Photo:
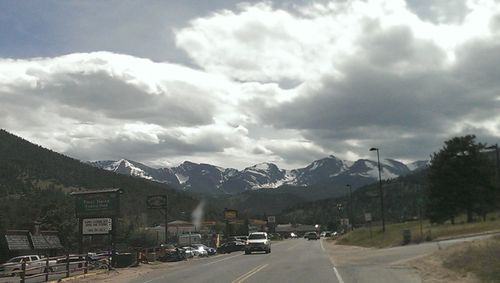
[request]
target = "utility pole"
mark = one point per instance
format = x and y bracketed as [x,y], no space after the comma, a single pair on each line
[351,220]
[381,192]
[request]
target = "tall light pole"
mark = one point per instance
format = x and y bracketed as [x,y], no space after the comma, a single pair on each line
[495,147]
[350,207]
[381,192]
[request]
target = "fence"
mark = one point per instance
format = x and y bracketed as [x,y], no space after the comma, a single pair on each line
[63,265]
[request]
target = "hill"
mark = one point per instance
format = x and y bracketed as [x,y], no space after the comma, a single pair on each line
[404,196]
[35,184]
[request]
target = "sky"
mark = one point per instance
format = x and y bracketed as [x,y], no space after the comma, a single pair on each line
[234,83]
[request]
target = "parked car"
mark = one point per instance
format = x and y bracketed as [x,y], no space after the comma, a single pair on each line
[190,252]
[75,262]
[237,238]
[34,264]
[210,251]
[173,255]
[311,236]
[258,241]
[200,250]
[230,247]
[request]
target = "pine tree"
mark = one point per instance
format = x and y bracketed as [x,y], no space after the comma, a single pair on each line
[461,180]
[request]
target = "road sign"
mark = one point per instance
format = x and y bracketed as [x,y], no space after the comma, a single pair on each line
[368,217]
[157,201]
[96,226]
[271,219]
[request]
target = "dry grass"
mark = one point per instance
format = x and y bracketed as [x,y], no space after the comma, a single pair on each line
[480,258]
[393,235]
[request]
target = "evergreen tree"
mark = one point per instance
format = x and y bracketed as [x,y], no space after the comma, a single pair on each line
[461,179]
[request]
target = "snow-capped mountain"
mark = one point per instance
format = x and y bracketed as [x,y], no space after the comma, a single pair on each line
[319,170]
[208,178]
[136,169]
[263,175]
[202,177]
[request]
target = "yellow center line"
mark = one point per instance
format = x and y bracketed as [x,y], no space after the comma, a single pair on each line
[250,273]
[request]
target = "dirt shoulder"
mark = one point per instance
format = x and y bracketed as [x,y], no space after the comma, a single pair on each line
[120,274]
[431,267]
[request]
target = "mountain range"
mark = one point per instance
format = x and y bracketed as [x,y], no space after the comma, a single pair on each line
[207,178]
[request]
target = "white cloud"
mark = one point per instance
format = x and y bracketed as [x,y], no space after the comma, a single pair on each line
[272,83]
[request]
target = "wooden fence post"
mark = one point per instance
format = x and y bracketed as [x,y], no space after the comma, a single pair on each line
[47,268]
[23,271]
[67,265]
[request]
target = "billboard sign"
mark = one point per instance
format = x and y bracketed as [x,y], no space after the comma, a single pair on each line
[105,204]
[230,214]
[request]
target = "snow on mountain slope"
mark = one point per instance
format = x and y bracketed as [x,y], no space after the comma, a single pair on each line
[210,179]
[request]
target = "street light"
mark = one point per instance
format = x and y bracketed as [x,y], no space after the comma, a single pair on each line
[495,147]
[381,192]
[350,206]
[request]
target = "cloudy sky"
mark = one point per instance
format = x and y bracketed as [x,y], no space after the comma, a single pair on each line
[237,83]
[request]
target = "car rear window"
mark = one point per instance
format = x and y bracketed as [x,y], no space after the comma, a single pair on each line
[256,236]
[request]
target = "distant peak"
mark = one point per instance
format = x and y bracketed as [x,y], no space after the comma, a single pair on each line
[263,166]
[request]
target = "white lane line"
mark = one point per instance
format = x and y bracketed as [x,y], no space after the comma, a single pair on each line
[338,275]
[223,259]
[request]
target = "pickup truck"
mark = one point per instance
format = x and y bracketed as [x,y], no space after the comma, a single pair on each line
[34,264]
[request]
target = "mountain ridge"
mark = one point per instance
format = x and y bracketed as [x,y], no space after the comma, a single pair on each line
[207,178]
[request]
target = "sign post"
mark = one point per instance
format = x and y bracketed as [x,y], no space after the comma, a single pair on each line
[368,218]
[96,212]
[160,202]
[229,214]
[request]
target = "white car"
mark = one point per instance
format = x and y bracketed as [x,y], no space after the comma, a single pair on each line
[258,241]
[201,251]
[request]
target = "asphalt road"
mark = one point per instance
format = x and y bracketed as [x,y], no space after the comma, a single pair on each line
[297,260]
[300,260]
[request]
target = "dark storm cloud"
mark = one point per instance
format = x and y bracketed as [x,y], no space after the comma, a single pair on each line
[410,110]
[126,146]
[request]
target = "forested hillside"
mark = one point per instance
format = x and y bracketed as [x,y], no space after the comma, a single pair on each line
[404,197]
[35,184]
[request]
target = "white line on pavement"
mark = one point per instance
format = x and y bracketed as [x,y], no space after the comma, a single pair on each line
[223,259]
[338,275]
